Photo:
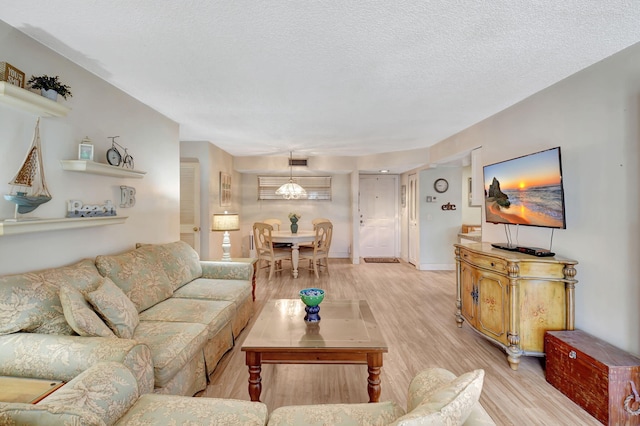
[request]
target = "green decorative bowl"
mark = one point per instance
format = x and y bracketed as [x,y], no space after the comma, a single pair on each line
[311,296]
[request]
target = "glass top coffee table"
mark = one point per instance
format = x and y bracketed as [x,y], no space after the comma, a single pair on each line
[346,334]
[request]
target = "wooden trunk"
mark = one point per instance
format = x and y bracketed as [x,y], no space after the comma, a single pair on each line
[594,375]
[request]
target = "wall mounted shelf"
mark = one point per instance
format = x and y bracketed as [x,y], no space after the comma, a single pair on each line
[100,169]
[28,101]
[11,227]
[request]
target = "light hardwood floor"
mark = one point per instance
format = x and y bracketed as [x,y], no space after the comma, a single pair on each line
[415,311]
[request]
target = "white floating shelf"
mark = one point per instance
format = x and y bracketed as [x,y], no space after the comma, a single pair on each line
[100,169]
[11,227]
[26,100]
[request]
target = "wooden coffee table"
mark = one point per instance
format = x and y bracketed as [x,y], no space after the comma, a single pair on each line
[346,334]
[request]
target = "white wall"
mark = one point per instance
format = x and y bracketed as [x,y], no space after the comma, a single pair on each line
[439,228]
[98,110]
[338,210]
[594,116]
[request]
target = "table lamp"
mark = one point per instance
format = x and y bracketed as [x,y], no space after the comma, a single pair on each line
[226,222]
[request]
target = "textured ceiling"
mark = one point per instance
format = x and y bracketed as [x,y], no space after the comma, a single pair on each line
[328,77]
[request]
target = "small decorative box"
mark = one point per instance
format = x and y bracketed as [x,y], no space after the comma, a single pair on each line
[11,74]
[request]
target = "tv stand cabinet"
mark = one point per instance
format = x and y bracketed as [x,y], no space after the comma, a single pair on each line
[513,298]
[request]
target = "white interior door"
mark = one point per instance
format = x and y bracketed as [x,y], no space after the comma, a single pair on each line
[378,212]
[413,231]
[190,204]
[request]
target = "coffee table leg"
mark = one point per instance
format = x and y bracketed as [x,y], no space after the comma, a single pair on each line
[374,363]
[254,362]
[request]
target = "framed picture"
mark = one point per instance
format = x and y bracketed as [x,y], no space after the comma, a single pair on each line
[85,152]
[403,195]
[225,189]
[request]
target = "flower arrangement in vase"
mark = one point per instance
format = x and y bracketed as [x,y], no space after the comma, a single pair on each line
[294,217]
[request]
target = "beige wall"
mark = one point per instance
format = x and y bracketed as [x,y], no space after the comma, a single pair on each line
[594,116]
[98,110]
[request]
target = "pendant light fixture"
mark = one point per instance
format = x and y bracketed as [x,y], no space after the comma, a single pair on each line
[291,190]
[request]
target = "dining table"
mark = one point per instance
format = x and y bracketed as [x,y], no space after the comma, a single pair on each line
[295,240]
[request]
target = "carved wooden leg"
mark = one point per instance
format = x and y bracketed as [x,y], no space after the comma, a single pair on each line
[254,362]
[374,363]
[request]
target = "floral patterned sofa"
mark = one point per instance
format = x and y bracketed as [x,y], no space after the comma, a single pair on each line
[108,394]
[158,309]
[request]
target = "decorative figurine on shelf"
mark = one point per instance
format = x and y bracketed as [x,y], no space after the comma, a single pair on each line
[115,158]
[75,208]
[294,217]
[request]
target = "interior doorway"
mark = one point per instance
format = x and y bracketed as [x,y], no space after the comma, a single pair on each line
[378,211]
[190,204]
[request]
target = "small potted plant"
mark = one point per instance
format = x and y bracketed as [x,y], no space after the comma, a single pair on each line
[50,87]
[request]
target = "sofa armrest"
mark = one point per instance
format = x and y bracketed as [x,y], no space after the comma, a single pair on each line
[226,270]
[58,357]
[107,389]
[379,413]
[16,413]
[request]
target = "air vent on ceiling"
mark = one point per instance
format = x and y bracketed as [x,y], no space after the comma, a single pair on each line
[298,162]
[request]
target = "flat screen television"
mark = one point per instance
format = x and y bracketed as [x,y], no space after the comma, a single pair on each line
[526,190]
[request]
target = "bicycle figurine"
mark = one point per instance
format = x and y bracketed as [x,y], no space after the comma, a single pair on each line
[114,157]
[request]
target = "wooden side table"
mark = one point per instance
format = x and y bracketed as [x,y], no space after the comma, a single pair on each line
[254,262]
[26,390]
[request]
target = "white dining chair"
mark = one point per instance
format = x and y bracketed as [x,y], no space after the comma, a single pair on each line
[320,248]
[266,251]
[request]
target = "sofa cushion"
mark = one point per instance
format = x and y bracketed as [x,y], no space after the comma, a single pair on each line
[30,301]
[215,289]
[449,404]
[172,345]
[178,259]
[107,389]
[380,413]
[80,315]
[28,414]
[139,274]
[155,409]
[115,308]
[214,314]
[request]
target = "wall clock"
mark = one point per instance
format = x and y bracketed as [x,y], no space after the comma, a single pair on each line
[441,185]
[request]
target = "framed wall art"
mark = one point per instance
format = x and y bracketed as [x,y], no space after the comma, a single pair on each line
[225,189]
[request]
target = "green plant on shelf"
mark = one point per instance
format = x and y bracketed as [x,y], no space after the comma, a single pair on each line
[44,82]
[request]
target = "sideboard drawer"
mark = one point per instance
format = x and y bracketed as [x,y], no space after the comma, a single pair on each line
[593,374]
[486,262]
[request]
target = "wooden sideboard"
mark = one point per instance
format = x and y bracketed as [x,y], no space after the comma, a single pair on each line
[513,298]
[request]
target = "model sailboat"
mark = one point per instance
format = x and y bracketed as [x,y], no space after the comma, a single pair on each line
[29,188]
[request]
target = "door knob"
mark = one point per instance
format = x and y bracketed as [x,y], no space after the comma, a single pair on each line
[196,229]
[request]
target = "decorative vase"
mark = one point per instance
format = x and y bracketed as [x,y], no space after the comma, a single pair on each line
[294,225]
[49,94]
[311,297]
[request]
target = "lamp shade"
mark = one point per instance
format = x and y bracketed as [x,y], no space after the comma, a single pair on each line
[291,190]
[226,222]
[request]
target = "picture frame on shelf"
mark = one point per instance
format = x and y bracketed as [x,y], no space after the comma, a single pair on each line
[85,151]
[225,189]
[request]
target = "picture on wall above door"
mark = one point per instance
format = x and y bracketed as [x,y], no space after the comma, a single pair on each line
[225,189]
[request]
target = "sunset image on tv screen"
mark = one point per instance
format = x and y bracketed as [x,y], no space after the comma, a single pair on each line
[526,190]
